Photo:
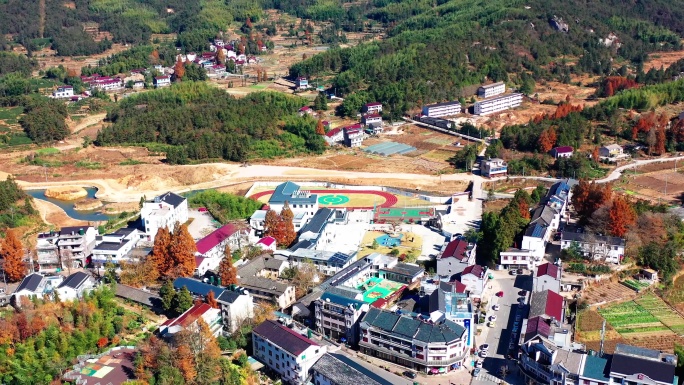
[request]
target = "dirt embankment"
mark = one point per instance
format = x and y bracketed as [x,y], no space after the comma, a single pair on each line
[66,193]
[87,204]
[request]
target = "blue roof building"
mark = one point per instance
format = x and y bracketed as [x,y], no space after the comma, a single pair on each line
[197,287]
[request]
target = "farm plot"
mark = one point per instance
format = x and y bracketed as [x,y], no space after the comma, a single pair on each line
[631,319]
[635,285]
[662,311]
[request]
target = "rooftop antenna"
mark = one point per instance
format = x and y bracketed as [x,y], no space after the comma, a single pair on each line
[603,337]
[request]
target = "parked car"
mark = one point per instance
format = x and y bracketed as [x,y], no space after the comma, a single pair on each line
[496,307]
[491,324]
[483,354]
[499,294]
[484,347]
[476,372]
[492,317]
[520,271]
[521,300]
[478,363]
[513,272]
[522,293]
[409,374]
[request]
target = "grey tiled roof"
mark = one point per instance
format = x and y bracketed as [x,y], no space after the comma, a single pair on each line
[407,327]
[75,280]
[30,282]
[591,238]
[344,371]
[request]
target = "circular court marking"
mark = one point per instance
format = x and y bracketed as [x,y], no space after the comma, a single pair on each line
[333,200]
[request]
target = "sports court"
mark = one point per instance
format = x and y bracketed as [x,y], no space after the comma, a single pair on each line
[405,214]
[389,148]
[375,288]
[388,241]
[351,199]
[114,367]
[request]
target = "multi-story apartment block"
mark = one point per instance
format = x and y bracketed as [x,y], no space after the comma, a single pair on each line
[373,108]
[285,351]
[236,305]
[497,103]
[489,90]
[442,109]
[115,247]
[68,248]
[353,136]
[338,317]
[632,365]
[431,347]
[452,300]
[163,211]
[596,247]
[491,168]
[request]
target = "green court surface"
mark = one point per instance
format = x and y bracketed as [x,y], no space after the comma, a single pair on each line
[333,200]
[375,288]
[408,212]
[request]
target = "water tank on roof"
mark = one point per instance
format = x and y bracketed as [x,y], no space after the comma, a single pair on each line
[81,231]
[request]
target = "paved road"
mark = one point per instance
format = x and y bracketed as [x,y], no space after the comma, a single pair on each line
[615,174]
[499,337]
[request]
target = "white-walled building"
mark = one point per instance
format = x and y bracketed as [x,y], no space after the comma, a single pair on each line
[163,211]
[299,200]
[188,320]
[492,168]
[338,369]
[35,285]
[373,108]
[353,135]
[214,244]
[115,247]
[475,278]
[371,119]
[457,255]
[489,90]
[442,109]
[302,83]
[67,248]
[162,81]
[596,247]
[497,103]
[334,136]
[63,92]
[337,316]
[562,152]
[237,305]
[75,286]
[285,351]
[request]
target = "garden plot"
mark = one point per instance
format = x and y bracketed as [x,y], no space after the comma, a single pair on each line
[662,311]
[631,319]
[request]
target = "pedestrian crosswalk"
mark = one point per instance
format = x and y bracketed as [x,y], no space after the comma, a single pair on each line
[484,376]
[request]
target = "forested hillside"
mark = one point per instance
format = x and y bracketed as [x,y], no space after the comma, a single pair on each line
[198,121]
[433,50]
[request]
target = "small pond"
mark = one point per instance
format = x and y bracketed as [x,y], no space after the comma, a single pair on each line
[68,206]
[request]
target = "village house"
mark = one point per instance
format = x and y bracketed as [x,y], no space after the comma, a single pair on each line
[442,109]
[611,151]
[138,84]
[372,119]
[285,351]
[115,247]
[373,108]
[259,278]
[456,256]
[452,300]
[214,245]
[562,152]
[497,103]
[63,92]
[188,320]
[596,247]
[637,365]
[338,369]
[475,278]
[299,200]
[301,83]
[197,288]
[334,136]
[489,90]
[547,277]
[70,247]
[306,110]
[337,316]
[267,244]
[237,306]
[491,168]
[353,136]
[541,362]
[163,211]
[162,81]
[75,286]
[35,286]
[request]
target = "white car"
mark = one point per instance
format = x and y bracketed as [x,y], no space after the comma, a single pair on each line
[496,307]
[484,347]
[483,354]
[478,363]
[492,317]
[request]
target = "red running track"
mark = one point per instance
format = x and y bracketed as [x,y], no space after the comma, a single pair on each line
[390,199]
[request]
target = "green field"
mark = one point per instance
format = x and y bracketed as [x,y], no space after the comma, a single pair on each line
[645,314]
[11,114]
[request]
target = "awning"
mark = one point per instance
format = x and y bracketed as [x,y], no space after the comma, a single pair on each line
[442,370]
[434,370]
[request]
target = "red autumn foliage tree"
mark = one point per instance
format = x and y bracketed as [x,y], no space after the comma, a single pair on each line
[320,129]
[660,140]
[160,255]
[248,23]
[645,123]
[547,140]
[524,209]
[595,154]
[183,249]
[226,270]
[564,109]
[211,300]
[22,326]
[622,215]
[179,70]
[154,57]
[272,226]
[613,84]
[102,342]
[588,197]
[221,56]
[12,257]
[287,218]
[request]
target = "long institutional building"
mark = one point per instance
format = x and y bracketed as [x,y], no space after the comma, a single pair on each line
[442,109]
[497,103]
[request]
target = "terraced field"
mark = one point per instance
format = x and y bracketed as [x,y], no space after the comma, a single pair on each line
[631,319]
[664,313]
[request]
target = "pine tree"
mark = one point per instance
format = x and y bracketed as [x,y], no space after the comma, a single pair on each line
[183,249]
[12,255]
[182,301]
[161,252]
[167,294]
[226,270]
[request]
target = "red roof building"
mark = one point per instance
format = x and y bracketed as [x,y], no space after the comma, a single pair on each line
[456,249]
[549,269]
[547,304]
[209,315]
[475,270]
[212,245]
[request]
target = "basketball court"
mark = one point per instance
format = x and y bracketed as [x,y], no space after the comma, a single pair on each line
[114,367]
[406,214]
[350,199]
[377,288]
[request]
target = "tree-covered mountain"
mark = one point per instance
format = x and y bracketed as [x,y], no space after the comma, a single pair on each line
[434,48]
[194,121]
